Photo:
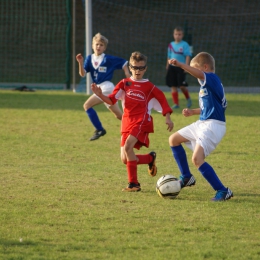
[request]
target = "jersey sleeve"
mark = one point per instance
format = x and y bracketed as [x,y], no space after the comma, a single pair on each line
[87,63]
[209,81]
[118,92]
[159,102]
[117,63]
[186,50]
[169,51]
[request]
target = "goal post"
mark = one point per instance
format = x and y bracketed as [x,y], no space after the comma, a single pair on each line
[88,12]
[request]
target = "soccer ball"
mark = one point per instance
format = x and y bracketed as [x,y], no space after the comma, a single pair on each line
[168,187]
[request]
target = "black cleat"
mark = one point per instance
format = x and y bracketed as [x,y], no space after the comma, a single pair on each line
[187,182]
[98,134]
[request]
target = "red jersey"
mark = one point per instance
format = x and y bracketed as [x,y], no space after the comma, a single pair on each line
[138,98]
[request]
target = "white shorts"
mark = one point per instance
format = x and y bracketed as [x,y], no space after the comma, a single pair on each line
[107,88]
[207,134]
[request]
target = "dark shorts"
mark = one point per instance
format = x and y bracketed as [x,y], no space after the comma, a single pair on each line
[175,77]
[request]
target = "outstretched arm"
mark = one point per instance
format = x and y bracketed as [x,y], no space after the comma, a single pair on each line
[190,112]
[193,71]
[80,60]
[126,70]
[97,90]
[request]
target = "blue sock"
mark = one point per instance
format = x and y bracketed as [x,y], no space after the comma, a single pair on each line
[92,114]
[209,174]
[181,159]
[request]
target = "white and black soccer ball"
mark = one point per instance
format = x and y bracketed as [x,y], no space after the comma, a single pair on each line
[168,187]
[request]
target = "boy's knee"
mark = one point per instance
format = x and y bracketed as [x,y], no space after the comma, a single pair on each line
[127,148]
[85,106]
[197,161]
[172,140]
[123,160]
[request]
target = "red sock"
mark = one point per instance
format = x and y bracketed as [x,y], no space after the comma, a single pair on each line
[144,158]
[132,171]
[186,94]
[175,98]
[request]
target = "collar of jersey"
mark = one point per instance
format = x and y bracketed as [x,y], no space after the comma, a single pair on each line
[140,80]
[101,56]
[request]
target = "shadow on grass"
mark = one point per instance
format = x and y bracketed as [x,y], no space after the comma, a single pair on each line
[48,101]
[72,101]
[11,243]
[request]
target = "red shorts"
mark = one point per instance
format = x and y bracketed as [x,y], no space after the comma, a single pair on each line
[142,137]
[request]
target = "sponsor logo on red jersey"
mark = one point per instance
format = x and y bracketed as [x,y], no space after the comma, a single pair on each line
[135,94]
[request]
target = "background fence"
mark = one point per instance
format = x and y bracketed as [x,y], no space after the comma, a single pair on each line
[35,41]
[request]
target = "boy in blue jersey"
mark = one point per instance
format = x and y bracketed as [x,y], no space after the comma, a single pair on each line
[101,67]
[176,77]
[205,134]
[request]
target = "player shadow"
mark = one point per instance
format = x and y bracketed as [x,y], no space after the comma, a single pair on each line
[67,101]
[238,197]
[17,243]
[42,101]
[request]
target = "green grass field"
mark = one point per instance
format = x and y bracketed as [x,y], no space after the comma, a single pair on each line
[60,195]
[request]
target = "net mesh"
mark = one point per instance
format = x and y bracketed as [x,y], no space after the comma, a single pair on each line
[33,43]
[227,29]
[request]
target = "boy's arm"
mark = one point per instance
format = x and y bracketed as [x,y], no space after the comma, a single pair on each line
[188,60]
[126,70]
[169,122]
[193,71]
[97,90]
[190,112]
[167,64]
[80,60]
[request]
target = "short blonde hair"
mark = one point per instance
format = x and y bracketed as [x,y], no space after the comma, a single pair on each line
[100,38]
[203,58]
[138,56]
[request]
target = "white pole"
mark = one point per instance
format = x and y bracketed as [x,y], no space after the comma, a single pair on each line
[88,15]
[74,46]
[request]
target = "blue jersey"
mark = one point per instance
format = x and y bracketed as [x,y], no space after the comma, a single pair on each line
[179,51]
[212,98]
[105,69]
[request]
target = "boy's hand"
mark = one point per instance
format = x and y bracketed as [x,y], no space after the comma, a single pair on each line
[79,58]
[170,125]
[169,122]
[174,62]
[187,112]
[97,90]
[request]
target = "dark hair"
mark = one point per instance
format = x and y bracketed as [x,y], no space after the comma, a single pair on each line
[178,28]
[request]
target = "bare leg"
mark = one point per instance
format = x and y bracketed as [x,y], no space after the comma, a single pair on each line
[198,156]
[176,139]
[129,148]
[116,111]
[91,102]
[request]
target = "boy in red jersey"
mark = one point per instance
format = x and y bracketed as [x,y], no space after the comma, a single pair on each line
[138,97]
